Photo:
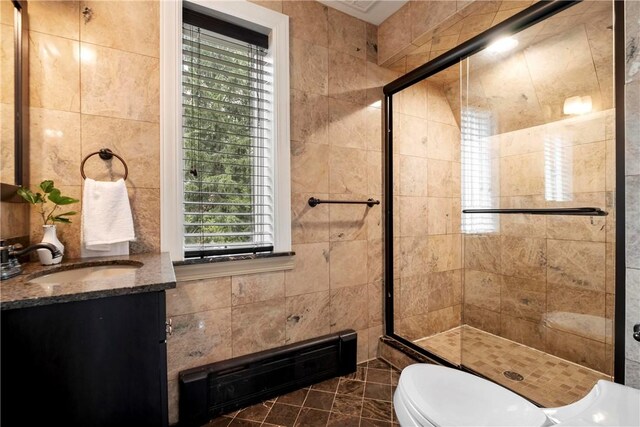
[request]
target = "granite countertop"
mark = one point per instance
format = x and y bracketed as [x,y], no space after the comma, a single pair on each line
[238,257]
[155,273]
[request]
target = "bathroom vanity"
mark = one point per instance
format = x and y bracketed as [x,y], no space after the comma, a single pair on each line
[86,345]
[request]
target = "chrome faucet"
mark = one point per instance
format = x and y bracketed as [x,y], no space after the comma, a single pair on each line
[9,264]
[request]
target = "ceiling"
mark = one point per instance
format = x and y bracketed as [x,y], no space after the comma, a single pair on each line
[372,11]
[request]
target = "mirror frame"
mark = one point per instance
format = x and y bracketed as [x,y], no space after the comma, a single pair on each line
[21,112]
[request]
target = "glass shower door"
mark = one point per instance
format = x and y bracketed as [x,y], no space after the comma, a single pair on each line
[536,121]
[427,243]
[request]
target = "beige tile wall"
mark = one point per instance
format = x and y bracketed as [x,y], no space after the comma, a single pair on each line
[518,283]
[528,86]
[428,245]
[335,82]
[336,146]
[6,93]
[632,189]
[15,217]
[535,279]
[15,220]
[92,85]
[422,30]
[96,84]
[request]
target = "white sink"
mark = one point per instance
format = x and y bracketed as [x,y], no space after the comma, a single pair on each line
[81,274]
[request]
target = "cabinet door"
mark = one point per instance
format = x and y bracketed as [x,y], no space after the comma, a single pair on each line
[88,363]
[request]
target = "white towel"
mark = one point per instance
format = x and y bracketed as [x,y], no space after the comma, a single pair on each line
[107,223]
[114,249]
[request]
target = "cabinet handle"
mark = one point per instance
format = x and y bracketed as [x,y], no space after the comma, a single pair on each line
[169,327]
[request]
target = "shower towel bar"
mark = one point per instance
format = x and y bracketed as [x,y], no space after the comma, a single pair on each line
[313,202]
[587,211]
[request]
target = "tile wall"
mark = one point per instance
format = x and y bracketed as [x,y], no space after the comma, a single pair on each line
[422,30]
[632,189]
[15,220]
[6,93]
[335,153]
[15,215]
[92,86]
[525,282]
[570,53]
[427,239]
[548,281]
[428,247]
[81,102]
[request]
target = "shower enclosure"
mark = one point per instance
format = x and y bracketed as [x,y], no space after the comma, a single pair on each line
[501,203]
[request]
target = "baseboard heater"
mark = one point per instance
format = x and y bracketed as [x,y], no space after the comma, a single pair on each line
[221,387]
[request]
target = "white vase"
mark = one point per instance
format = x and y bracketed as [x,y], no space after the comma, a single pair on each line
[50,236]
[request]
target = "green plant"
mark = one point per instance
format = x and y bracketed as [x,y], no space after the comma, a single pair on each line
[49,194]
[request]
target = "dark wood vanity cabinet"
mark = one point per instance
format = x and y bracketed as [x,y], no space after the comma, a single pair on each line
[97,362]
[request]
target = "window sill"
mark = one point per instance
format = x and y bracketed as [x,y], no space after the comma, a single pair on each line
[206,268]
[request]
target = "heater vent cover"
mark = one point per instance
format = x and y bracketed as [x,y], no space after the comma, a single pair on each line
[221,387]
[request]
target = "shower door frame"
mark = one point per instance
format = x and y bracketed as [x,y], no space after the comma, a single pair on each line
[534,14]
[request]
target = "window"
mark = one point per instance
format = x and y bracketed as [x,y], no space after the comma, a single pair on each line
[227,168]
[558,169]
[225,130]
[477,179]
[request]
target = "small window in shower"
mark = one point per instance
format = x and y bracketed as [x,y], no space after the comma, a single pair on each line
[477,173]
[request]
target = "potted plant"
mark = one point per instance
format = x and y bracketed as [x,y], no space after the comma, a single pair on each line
[49,195]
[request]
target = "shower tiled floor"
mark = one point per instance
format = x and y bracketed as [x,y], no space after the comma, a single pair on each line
[361,399]
[548,380]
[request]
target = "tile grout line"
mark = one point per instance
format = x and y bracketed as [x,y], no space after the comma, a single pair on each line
[301,405]
[335,394]
[391,397]
[268,412]
[366,375]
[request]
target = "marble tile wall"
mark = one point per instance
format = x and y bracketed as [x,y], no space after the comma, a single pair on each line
[422,30]
[632,189]
[92,86]
[336,149]
[428,244]
[96,84]
[6,93]
[548,281]
[14,216]
[525,88]
[516,279]
[15,220]
[79,101]
[528,86]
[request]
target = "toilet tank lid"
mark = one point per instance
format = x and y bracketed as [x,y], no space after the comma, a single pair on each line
[449,397]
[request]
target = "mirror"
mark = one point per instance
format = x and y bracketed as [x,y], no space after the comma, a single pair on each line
[14,98]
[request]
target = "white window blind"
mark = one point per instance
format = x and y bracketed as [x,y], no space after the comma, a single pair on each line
[558,169]
[227,145]
[477,179]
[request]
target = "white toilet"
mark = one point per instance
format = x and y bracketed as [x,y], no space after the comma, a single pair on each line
[432,395]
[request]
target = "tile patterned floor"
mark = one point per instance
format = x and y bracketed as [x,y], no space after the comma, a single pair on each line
[548,380]
[361,399]
[364,398]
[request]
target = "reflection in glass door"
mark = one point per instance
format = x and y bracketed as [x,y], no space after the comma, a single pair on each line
[527,123]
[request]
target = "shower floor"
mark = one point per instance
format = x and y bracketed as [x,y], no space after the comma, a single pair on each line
[548,380]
